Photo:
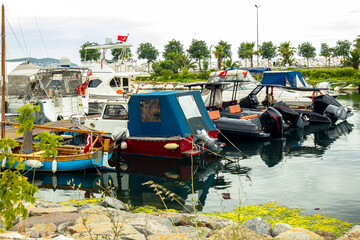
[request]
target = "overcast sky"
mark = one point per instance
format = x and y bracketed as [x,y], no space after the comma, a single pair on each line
[46,28]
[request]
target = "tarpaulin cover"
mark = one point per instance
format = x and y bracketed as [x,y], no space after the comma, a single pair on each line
[181,114]
[284,78]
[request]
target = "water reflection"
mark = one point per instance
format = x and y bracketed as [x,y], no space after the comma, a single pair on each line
[311,141]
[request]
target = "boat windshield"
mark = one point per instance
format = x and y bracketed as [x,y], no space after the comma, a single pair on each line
[115,112]
[94,83]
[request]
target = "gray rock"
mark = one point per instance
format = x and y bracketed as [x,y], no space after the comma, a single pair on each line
[353,233]
[62,237]
[194,233]
[280,228]
[258,225]
[113,203]
[33,233]
[11,235]
[64,227]
[298,234]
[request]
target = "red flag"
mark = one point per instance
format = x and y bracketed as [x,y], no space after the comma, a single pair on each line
[122,38]
[88,144]
[245,73]
[223,74]
[89,74]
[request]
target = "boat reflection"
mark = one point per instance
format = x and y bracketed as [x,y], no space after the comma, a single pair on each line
[312,141]
[139,181]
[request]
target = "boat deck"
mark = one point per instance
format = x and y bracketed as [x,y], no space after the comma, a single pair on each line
[10,131]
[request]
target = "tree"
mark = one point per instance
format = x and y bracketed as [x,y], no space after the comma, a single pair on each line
[219,54]
[89,54]
[357,42]
[229,63]
[166,64]
[327,52]
[147,51]
[267,51]
[227,49]
[342,49]
[308,51]
[246,50]
[354,59]
[186,62]
[286,51]
[172,47]
[121,53]
[198,50]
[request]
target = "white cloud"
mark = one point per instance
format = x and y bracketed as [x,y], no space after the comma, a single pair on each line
[66,25]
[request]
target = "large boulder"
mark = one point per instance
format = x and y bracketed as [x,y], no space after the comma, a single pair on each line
[298,234]
[353,233]
[280,228]
[258,225]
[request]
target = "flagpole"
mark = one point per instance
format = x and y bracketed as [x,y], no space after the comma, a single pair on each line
[3,70]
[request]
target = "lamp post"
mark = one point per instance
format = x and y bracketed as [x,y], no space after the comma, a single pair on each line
[210,56]
[257,33]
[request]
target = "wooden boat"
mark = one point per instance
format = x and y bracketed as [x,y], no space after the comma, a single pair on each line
[69,157]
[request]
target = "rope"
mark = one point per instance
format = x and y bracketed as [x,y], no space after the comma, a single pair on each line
[227,139]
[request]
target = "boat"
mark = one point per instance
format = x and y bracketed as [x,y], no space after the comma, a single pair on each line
[232,120]
[324,109]
[70,158]
[170,124]
[59,91]
[110,79]
[249,83]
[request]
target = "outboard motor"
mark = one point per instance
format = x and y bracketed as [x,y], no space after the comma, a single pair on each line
[293,118]
[326,104]
[211,143]
[272,122]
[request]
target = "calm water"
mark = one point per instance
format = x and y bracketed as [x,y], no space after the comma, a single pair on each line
[316,168]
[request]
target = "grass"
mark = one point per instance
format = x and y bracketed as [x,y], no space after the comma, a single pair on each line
[273,213]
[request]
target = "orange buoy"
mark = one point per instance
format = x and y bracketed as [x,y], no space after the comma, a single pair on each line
[119,91]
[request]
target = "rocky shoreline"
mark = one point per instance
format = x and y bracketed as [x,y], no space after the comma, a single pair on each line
[110,220]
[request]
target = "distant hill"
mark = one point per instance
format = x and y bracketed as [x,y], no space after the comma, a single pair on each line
[43,62]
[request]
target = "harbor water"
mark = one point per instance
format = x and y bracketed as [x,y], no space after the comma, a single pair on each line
[315,169]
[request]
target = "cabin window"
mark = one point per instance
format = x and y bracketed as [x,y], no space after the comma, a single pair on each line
[115,112]
[115,82]
[94,83]
[125,82]
[189,106]
[150,110]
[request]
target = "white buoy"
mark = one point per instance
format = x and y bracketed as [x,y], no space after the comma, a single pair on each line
[54,166]
[123,145]
[171,146]
[32,163]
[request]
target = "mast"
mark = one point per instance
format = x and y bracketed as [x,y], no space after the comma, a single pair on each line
[3,70]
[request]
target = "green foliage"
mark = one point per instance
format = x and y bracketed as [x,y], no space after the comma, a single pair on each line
[165,65]
[273,214]
[246,50]
[267,51]
[307,50]
[14,187]
[342,48]
[48,143]
[80,202]
[147,51]
[91,54]
[172,47]
[121,53]
[198,50]
[26,117]
[286,51]
[354,59]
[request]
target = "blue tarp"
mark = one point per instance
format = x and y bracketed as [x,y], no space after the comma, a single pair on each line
[174,119]
[284,78]
[251,69]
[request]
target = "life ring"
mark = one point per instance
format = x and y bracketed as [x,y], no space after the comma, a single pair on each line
[119,91]
[81,90]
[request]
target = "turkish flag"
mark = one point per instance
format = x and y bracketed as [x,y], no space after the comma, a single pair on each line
[245,73]
[223,74]
[88,144]
[122,38]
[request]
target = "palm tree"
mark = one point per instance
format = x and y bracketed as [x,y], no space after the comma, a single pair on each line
[229,63]
[286,51]
[219,54]
[246,50]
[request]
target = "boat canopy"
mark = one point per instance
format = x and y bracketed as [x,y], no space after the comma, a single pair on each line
[167,114]
[284,78]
